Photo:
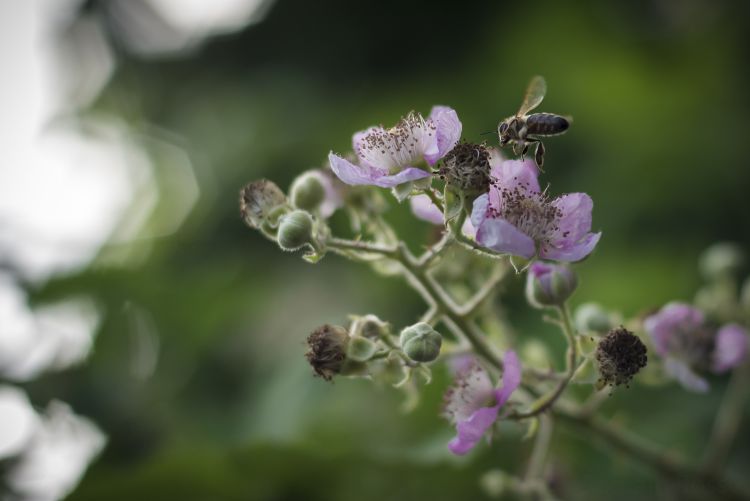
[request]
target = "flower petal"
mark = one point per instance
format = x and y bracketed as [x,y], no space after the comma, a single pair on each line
[501,236]
[512,174]
[511,377]
[731,347]
[447,132]
[365,158]
[406,175]
[470,431]
[572,252]
[672,319]
[424,209]
[479,210]
[353,174]
[685,375]
[472,390]
[575,221]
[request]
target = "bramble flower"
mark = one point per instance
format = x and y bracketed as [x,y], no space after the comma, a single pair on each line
[387,157]
[517,218]
[689,345]
[473,403]
[423,208]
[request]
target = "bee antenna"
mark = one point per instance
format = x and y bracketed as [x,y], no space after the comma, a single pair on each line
[488,132]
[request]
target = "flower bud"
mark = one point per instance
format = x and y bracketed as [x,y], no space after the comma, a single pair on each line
[721,260]
[295,230]
[420,342]
[328,345]
[591,317]
[549,284]
[307,191]
[360,349]
[258,199]
[369,326]
[620,355]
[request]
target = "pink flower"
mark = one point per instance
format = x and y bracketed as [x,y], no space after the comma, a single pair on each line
[473,403]
[387,156]
[689,345]
[517,218]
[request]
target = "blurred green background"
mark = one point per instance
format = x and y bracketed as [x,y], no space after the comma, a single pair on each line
[230,411]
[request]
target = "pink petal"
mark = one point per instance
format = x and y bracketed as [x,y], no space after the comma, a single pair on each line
[501,236]
[731,347]
[424,209]
[575,221]
[470,431]
[406,175]
[511,377]
[353,174]
[672,318]
[512,174]
[572,252]
[447,131]
[689,380]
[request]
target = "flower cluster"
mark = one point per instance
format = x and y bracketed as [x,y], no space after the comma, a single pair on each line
[691,346]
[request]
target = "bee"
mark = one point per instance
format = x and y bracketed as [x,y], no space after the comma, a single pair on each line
[523,130]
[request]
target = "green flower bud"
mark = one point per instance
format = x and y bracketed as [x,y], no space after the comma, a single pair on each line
[420,342]
[721,260]
[591,317]
[258,199]
[295,230]
[307,191]
[369,326]
[360,349]
[549,284]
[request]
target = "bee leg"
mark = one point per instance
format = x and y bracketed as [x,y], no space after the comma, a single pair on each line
[525,150]
[539,155]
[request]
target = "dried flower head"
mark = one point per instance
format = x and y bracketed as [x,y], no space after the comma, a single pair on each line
[620,355]
[327,350]
[258,199]
[467,168]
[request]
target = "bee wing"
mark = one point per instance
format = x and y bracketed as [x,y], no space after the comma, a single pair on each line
[534,94]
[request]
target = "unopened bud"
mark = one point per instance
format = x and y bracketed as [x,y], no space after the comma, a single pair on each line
[620,355]
[328,345]
[591,317]
[549,284]
[295,230]
[360,349]
[721,260]
[420,342]
[369,326]
[258,200]
[307,191]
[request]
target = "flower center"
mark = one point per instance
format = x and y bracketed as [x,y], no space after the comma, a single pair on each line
[694,345]
[399,146]
[529,211]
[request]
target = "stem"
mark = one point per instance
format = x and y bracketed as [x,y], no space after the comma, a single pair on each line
[435,199]
[727,421]
[648,454]
[548,400]
[341,243]
[498,274]
[535,469]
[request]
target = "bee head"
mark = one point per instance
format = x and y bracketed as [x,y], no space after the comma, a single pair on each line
[503,131]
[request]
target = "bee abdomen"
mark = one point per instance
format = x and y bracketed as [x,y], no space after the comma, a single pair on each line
[546,124]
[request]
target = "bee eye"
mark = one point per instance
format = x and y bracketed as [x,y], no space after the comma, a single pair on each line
[502,127]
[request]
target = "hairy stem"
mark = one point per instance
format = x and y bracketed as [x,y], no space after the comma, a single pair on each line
[548,400]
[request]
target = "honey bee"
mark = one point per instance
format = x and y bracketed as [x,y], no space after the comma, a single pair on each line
[523,130]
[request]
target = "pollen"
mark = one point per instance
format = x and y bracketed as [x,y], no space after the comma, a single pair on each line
[399,146]
[531,212]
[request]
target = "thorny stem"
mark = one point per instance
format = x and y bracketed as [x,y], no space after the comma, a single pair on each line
[548,400]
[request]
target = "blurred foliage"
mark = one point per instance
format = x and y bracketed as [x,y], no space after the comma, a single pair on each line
[658,93]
